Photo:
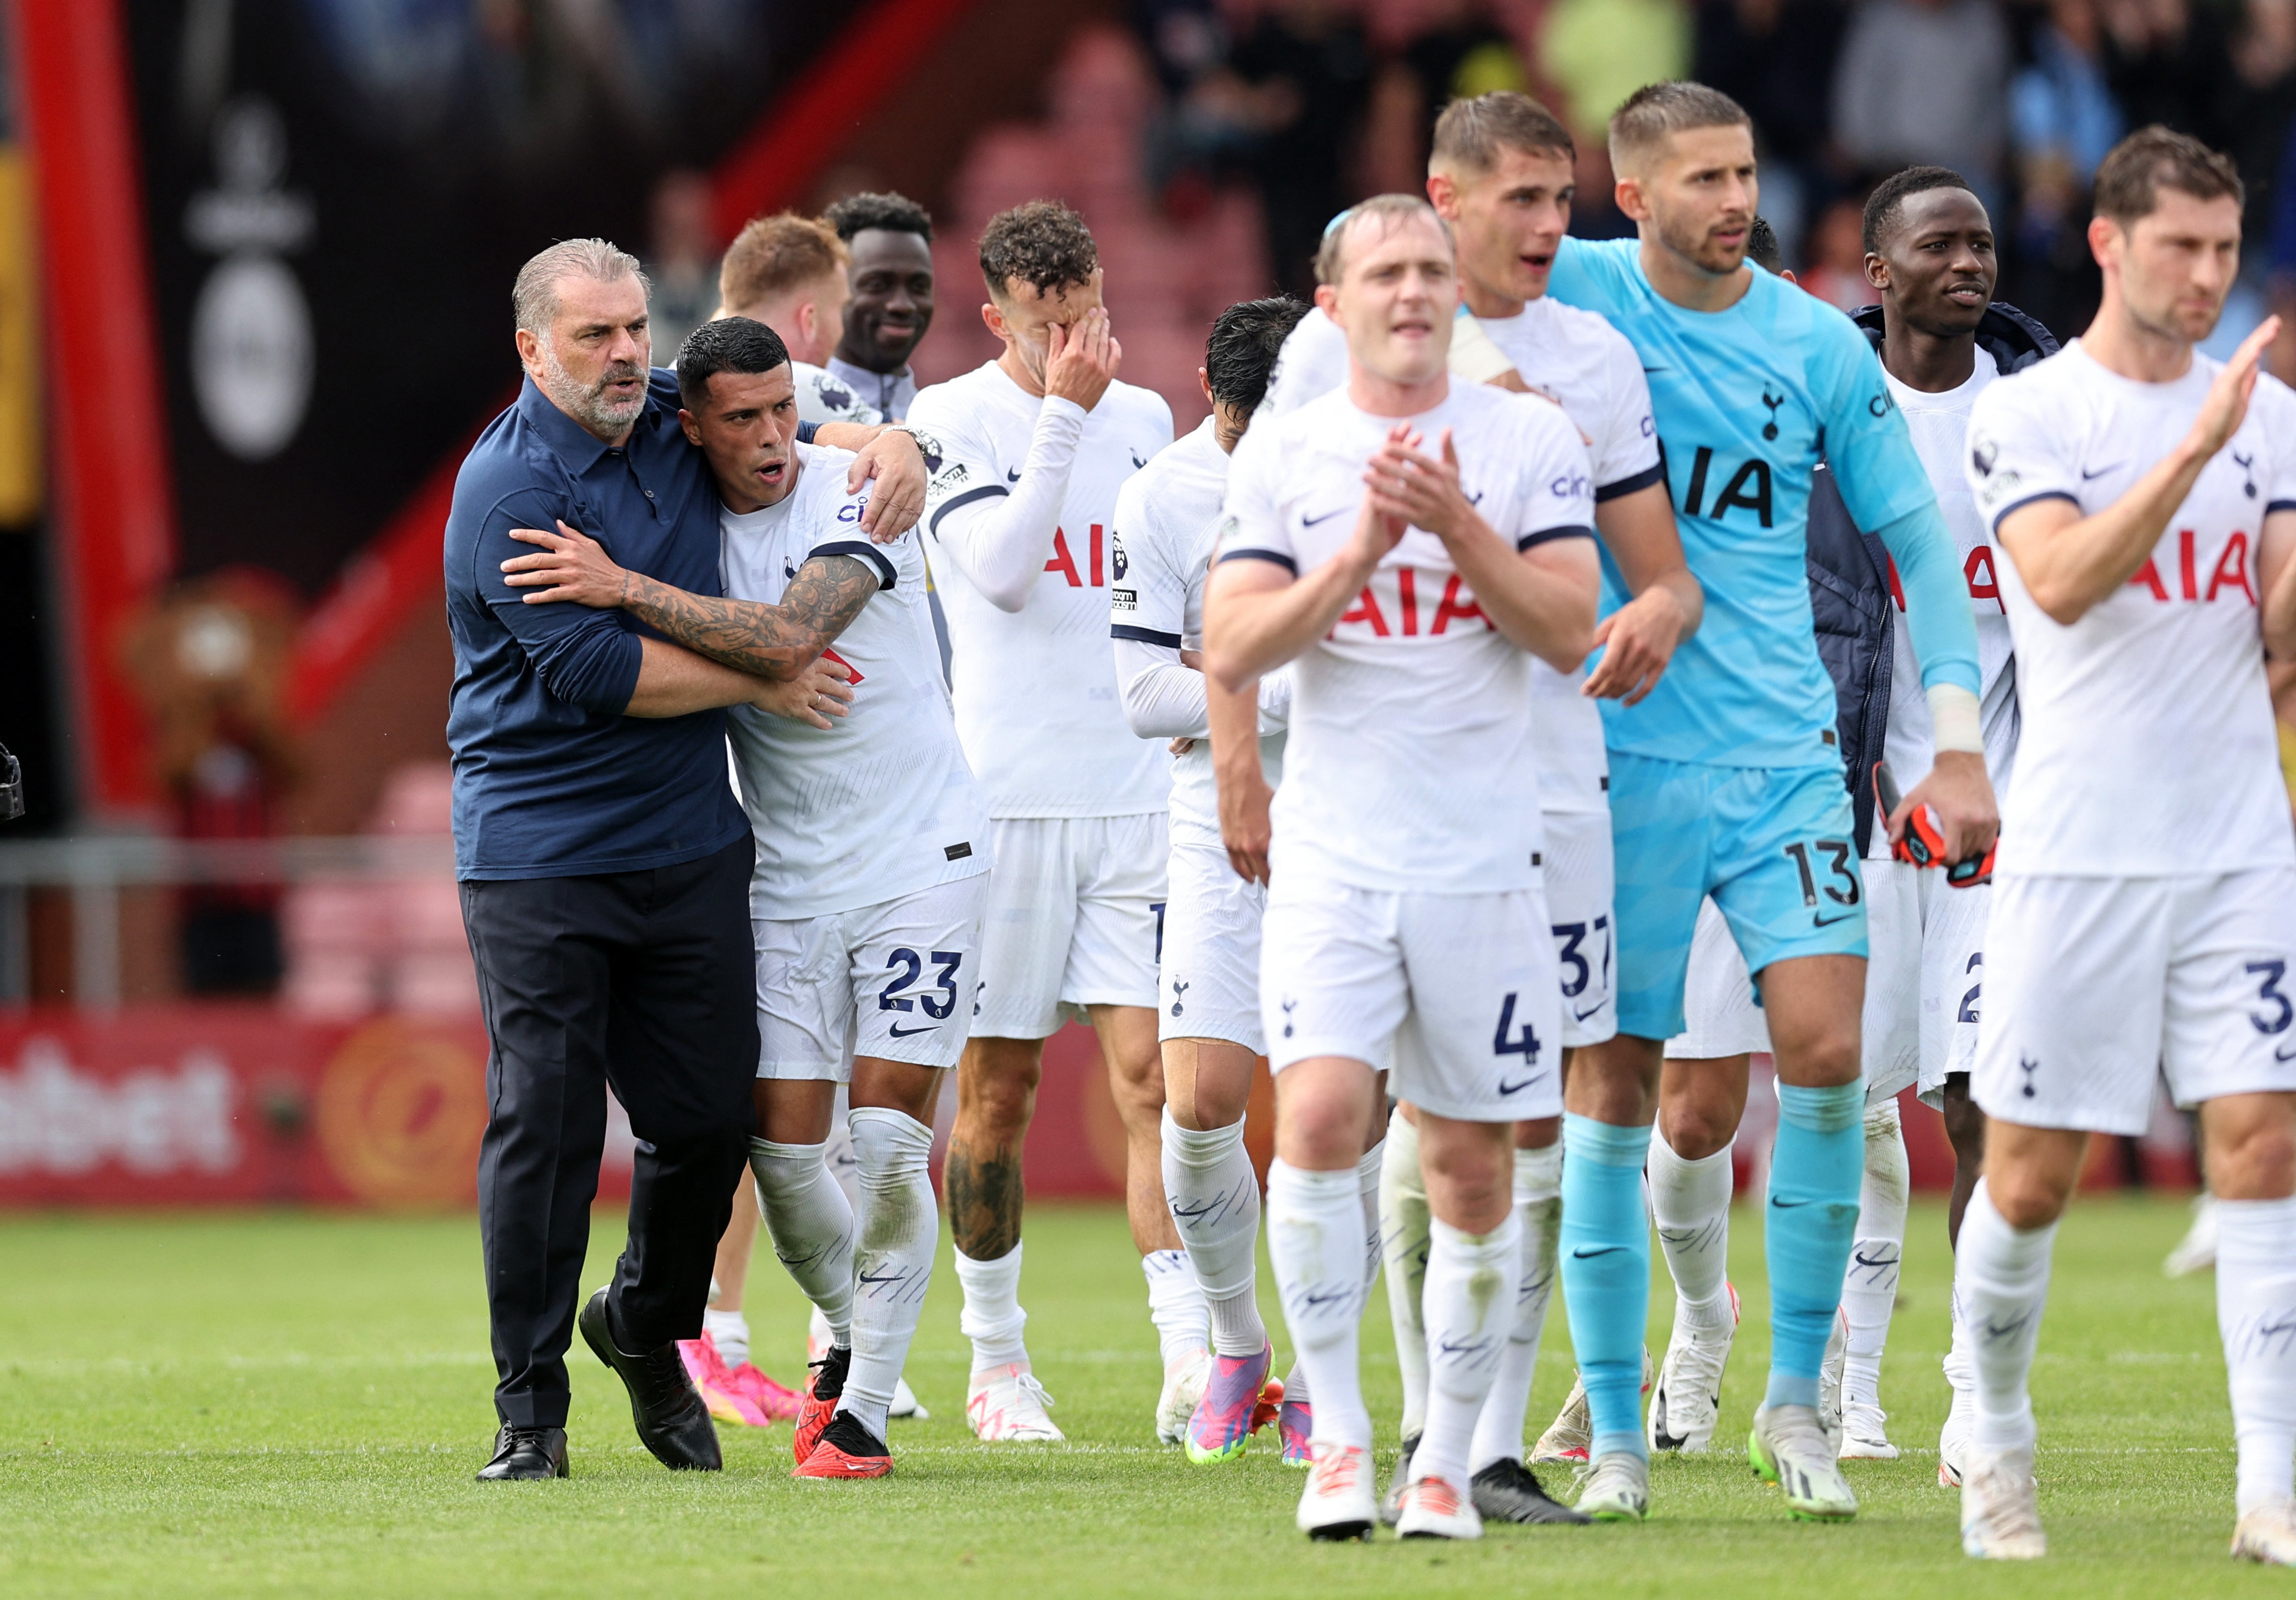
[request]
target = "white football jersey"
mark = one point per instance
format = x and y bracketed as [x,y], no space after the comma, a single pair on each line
[1580,362]
[882,803]
[1940,425]
[1587,366]
[822,397]
[1036,693]
[1168,521]
[1410,720]
[2148,746]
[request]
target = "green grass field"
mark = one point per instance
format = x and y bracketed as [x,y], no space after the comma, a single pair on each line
[295,1404]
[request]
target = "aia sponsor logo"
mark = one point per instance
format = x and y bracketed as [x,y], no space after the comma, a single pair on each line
[2228,572]
[1094,574]
[1405,603]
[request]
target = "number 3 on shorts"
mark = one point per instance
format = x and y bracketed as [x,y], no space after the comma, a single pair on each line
[2282,1012]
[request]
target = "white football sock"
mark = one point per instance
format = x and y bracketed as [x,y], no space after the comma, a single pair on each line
[1315,1236]
[844,1165]
[1215,1199]
[992,1317]
[1372,1162]
[812,1227]
[729,1331]
[1960,1371]
[1470,1325]
[1690,1202]
[892,1264]
[1403,1219]
[2256,1308]
[1175,1305]
[1539,1204]
[2001,1275]
[1869,1288]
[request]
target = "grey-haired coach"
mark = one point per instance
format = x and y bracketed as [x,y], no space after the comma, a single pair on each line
[604,862]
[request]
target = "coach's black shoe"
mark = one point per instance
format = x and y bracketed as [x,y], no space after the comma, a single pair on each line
[672,1420]
[524,1455]
[1390,1504]
[1507,1491]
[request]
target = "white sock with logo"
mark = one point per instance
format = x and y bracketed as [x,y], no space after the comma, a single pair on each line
[1869,1288]
[1471,1315]
[2256,1314]
[1403,1225]
[1689,1204]
[811,1225]
[892,1264]
[1538,1204]
[1215,1199]
[1315,1237]
[2001,1275]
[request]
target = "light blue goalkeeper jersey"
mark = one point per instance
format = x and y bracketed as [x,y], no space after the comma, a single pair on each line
[1747,402]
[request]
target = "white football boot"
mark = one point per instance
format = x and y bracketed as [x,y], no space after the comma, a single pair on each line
[1433,1508]
[2268,1535]
[1790,1447]
[1618,1490]
[1687,1401]
[1006,1403]
[1184,1389]
[1338,1501]
[2196,1252]
[2000,1509]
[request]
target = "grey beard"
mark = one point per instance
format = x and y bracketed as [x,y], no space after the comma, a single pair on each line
[587,404]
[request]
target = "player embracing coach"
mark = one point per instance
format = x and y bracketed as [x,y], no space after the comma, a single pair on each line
[604,865]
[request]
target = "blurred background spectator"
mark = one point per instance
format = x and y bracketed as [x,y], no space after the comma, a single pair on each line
[681,256]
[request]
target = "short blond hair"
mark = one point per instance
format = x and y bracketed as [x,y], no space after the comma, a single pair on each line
[773,255]
[1390,210]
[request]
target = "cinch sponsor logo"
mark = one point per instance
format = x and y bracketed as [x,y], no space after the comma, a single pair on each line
[1391,606]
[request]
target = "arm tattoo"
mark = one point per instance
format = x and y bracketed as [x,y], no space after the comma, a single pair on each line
[765,641]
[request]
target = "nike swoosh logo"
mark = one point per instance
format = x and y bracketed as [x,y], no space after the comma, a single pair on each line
[1580,1016]
[902,1033]
[1515,1088]
[2101,472]
[1602,1249]
[2285,1053]
[1828,921]
[1788,1205]
[1011,475]
[1657,369]
[1327,516]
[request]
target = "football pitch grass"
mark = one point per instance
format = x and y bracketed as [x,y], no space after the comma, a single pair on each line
[295,1404]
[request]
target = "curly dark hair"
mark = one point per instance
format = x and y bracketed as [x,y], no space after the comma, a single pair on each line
[1042,242]
[894,213]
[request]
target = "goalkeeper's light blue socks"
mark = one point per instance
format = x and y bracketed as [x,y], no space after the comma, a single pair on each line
[1815,1171]
[1606,1272]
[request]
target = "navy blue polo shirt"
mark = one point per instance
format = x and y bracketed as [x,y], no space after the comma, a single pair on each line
[551,780]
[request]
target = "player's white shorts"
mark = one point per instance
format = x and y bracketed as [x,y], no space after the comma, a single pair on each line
[1578,884]
[2095,985]
[1458,991]
[894,980]
[1721,1016]
[1211,965]
[1076,909]
[1926,941]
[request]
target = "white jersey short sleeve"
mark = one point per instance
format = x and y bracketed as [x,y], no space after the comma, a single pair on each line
[882,803]
[2148,746]
[1940,426]
[1585,366]
[822,396]
[1035,689]
[1168,520]
[1411,720]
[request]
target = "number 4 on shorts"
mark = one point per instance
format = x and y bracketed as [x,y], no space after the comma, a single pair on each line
[1527,1046]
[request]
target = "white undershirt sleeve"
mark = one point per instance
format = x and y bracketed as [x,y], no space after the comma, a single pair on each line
[1000,542]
